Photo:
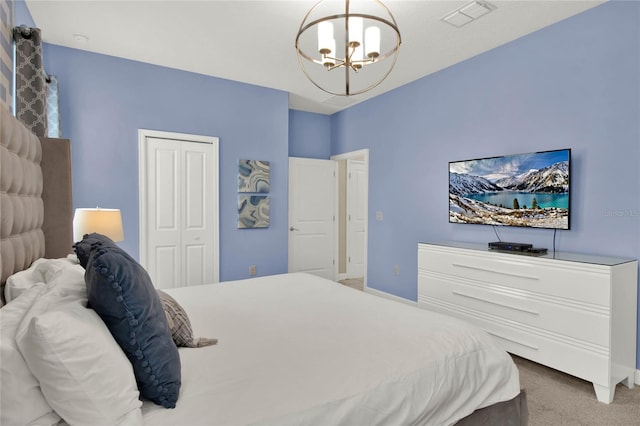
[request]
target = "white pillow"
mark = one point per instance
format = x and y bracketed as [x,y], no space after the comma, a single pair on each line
[64,279]
[43,271]
[21,400]
[22,281]
[83,373]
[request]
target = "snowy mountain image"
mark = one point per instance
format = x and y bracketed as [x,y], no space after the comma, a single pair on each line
[530,190]
[554,178]
[465,184]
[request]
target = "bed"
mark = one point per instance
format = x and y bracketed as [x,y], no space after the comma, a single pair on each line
[291,348]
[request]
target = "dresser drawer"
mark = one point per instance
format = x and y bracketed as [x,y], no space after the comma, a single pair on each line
[589,362]
[583,283]
[562,318]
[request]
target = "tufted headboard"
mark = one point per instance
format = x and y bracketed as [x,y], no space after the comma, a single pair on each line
[35,197]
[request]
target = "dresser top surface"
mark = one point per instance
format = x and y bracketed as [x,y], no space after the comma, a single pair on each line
[566,256]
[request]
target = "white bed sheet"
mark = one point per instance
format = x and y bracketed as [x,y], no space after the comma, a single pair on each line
[298,349]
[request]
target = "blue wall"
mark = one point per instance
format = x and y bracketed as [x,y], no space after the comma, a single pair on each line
[105,100]
[573,85]
[309,135]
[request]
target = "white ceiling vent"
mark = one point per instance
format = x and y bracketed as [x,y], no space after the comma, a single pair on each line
[467,13]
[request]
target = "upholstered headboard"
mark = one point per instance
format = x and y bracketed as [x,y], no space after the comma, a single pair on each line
[57,197]
[35,197]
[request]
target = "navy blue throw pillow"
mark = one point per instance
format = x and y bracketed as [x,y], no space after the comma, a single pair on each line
[121,292]
[89,241]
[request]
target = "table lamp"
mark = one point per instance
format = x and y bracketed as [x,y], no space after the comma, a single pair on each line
[107,222]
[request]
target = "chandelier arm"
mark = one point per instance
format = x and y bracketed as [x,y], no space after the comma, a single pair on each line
[338,65]
[304,70]
[363,62]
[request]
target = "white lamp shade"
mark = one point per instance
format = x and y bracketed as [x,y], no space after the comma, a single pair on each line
[325,37]
[372,41]
[355,30]
[107,222]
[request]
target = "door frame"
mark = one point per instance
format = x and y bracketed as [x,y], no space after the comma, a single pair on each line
[143,134]
[363,155]
[351,202]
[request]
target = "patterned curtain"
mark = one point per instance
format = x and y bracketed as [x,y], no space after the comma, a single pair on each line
[6,53]
[53,110]
[31,86]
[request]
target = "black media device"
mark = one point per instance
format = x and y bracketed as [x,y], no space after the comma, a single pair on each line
[537,250]
[516,247]
[503,245]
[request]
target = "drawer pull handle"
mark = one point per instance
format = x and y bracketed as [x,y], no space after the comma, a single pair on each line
[458,265]
[535,348]
[493,302]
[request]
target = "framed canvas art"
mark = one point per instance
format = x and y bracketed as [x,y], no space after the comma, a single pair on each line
[253,211]
[253,176]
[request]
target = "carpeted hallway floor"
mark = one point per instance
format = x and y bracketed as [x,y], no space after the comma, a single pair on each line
[357,283]
[555,398]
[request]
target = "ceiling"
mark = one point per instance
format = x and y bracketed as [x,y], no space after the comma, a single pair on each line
[254,41]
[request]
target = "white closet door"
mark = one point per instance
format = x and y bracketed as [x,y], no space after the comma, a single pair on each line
[197,205]
[178,210]
[164,213]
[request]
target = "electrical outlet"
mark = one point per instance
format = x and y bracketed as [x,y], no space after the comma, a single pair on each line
[396,270]
[252,270]
[379,216]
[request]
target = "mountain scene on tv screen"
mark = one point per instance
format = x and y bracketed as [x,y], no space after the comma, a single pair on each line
[530,190]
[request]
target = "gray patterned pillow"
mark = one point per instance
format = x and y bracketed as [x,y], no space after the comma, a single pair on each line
[179,324]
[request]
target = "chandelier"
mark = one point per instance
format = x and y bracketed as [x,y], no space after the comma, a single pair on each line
[348,47]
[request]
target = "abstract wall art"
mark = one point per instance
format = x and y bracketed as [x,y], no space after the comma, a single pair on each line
[253,211]
[253,176]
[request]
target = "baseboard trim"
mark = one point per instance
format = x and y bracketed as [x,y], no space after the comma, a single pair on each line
[389,296]
[637,379]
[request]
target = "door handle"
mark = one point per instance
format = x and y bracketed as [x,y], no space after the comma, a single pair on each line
[291,228]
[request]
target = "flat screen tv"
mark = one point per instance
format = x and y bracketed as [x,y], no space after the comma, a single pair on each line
[527,190]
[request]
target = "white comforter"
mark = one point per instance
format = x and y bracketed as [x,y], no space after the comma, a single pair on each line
[298,349]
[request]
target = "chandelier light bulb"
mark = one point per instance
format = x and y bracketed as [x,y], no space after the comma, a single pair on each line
[326,42]
[355,31]
[372,42]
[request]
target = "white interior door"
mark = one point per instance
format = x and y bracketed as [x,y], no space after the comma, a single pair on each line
[312,215]
[179,208]
[356,217]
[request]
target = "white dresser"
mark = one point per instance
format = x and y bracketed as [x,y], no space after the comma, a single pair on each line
[575,313]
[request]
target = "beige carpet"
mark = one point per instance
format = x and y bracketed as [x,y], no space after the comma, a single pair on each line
[355,283]
[555,398]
